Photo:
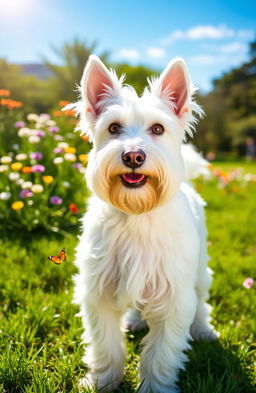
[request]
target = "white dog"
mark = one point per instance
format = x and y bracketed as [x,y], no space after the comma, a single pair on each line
[143,245]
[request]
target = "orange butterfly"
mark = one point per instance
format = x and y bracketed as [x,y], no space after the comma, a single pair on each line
[58,259]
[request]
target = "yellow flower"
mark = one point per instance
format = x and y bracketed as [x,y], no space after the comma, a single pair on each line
[47,179]
[16,166]
[17,205]
[83,158]
[70,150]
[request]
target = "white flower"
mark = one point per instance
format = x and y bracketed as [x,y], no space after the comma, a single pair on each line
[70,157]
[39,125]
[3,168]
[37,188]
[19,182]
[21,157]
[14,176]
[34,139]
[15,146]
[43,118]
[51,123]
[26,184]
[66,184]
[30,202]
[4,196]
[82,170]
[58,137]
[6,160]
[32,117]
[33,132]
[58,160]
[23,132]
[63,145]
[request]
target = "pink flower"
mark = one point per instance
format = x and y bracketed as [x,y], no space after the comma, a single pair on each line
[55,200]
[248,282]
[40,133]
[36,155]
[53,129]
[26,194]
[38,168]
[58,150]
[19,124]
[77,165]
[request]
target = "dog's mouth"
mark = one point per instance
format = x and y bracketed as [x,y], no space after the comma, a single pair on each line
[133,180]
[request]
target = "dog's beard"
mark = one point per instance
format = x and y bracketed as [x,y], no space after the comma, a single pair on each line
[104,174]
[134,200]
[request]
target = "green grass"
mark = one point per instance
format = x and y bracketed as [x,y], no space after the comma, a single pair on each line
[40,346]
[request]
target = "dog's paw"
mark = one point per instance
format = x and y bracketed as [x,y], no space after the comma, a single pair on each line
[145,387]
[134,325]
[132,321]
[103,383]
[204,332]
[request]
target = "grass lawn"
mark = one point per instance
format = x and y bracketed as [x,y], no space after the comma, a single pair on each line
[40,347]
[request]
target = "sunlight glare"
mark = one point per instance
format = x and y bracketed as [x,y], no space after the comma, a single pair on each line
[13,8]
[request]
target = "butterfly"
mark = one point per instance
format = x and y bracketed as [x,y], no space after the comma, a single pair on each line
[58,259]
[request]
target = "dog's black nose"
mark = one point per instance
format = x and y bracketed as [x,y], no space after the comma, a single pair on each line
[133,159]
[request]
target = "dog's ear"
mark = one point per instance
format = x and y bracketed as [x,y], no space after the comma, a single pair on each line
[98,85]
[173,86]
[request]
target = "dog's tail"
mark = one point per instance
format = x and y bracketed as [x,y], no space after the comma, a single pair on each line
[195,164]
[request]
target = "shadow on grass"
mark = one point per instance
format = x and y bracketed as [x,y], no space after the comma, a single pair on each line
[212,368]
[23,236]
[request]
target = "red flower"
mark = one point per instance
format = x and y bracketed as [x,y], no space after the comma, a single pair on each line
[73,208]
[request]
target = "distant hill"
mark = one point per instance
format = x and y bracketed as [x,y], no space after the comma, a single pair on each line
[39,70]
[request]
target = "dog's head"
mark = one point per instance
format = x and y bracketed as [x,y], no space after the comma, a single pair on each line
[136,163]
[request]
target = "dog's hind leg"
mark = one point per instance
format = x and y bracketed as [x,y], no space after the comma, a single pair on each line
[106,351]
[133,321]
[201,327]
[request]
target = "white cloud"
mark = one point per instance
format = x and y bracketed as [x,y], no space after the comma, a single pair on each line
[211,32]
[129,54]
[157,53]
[246,34]
[234,47]
[207,32]
[202,59]
[225,59]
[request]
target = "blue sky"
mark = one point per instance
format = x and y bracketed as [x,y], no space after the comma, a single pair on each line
[212,37]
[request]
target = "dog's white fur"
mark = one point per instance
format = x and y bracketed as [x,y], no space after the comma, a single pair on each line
[141,248]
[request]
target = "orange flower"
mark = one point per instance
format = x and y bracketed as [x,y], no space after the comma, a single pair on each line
[73,208]
[85,138]
[27,169]
[4,93]
[63,103]
[70,113]
[10,103]
[57,113]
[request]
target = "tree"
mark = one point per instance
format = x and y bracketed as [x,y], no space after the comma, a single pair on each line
[67,76]
[230,109]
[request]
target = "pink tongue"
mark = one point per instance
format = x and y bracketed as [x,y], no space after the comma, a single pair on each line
[133,177]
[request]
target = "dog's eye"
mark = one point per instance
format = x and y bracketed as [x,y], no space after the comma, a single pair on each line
[157,129]
[114,128]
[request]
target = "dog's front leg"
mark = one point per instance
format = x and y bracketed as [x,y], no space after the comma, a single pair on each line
[106,352]
[162,355]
